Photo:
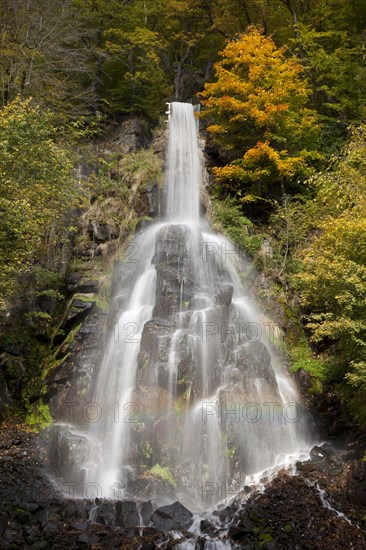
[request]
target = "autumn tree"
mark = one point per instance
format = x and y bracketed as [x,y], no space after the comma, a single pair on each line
[258,115]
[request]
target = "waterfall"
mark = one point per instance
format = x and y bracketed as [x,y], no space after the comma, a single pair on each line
[197,403]
[183,175]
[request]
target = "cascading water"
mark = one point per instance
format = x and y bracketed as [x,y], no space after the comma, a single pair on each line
[197,405]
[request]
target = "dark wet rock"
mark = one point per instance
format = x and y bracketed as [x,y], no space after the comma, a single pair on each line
[185,364]
[4,521]
[304,379]
[105,513]
[239,533]
[71,381]
[174,283]
[51,527]
[76,509]
[79,310]
[147,203]
[40,545]
[154,488]
[306,467]
[254,362]
[227,512]
[87,538]
[13,349]
[31,506]
[224,295]
[172,516]
[327,449]
[84,286]
[142,225]
[322,453]
[47,302]
[357,483]
[68,450]
[207,527]
[290,511]
[154,349]
[152,192]
[254,359]
[146,511]
[318,454]
[132,134]
[291,514]
[102,232]
[127,514]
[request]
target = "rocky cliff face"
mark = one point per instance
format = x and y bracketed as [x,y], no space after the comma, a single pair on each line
[57,326]
[99,247]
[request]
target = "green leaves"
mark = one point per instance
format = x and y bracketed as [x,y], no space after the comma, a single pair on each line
[36,187]
[332,277]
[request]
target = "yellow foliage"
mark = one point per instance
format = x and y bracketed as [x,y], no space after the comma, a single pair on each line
[258,108]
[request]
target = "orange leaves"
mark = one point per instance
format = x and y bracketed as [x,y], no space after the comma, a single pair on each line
[258,109]
[275,162]
[229,172]
[215,129]
[261,162]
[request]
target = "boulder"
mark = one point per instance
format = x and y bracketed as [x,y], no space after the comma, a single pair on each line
[127,514]
[321,453]
[133,134]
[172,516]
[102,232]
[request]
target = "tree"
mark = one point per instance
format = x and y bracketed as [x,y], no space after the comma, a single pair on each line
[329,42]
[44,54]
[259,115]
[128,46]
[36,187]
[332,277]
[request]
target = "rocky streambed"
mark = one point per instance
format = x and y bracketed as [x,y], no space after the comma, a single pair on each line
[321,505]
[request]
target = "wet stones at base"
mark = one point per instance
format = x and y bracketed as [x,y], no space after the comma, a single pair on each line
[172,516]
[289,514]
